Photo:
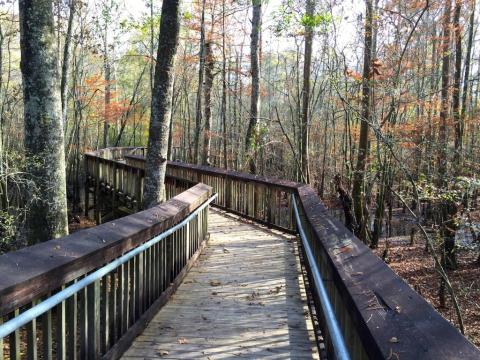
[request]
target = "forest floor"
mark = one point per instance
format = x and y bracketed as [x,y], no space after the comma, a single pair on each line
[80,222]
[416,267]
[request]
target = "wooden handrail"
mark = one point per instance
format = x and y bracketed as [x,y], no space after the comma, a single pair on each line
[380,315]
[102,319]
[36,270]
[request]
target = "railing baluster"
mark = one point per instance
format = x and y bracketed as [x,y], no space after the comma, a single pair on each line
[113,306]
[139,266]
[47,340]
[93,313]
[156,283]
[83,323]
[31,338]
[126,297]
[132,291]
[147,278]
[14,339]
[104,314]
[163,272]
[60,331]
[71,307]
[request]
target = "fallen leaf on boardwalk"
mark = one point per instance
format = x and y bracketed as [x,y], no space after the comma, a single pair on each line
[214,293]
[215,283]
[182,341]
[163,353]
[226,251]
[393,340]
[252,296]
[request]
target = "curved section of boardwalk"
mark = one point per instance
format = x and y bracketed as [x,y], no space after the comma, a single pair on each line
[243,299]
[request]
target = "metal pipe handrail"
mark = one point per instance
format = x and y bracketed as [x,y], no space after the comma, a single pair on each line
[339,346]
[31,314]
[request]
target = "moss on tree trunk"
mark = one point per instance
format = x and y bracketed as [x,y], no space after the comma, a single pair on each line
[44,144]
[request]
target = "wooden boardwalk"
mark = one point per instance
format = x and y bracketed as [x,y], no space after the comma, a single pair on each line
[244,299]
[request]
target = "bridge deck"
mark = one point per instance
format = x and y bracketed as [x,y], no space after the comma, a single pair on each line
[244,298]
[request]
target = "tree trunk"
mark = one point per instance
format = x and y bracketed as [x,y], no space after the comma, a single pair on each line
[457,120]
[106,124]
[198,110]
[44,145]
[66,61]
[466,78]
[207,136]
[359,175]
[156,161]
[443,140]
[224,91]
[310,9]
[252,131]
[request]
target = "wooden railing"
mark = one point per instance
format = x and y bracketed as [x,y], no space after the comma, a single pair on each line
[262,199]
[101,319]
[115,186]
[380,316]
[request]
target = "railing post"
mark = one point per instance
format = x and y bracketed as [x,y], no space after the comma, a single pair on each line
[87,186]
[228,192]
[47,334]
[31,339]
[14,339]
[114,189]
[138,190]
[97,191]
[93,320]
[72,327]
[60,331]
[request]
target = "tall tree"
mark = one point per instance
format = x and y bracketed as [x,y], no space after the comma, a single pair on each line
[108,86]
[457,120]
[66,60]
[359,175]
[468,58]
[44,143]
[443,138]
[307,64]
[223,109]
[156,161]
[198,105]
[207,135]
[252,131]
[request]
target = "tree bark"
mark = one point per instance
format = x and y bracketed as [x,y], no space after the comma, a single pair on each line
[466,78]
[359,175]
[198,110]
[443,139]
[224,91]
[66,61]
[106,124]
[156,161]
[44,144]
[207,136]
[307,64]
[457,120]
[252,131]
